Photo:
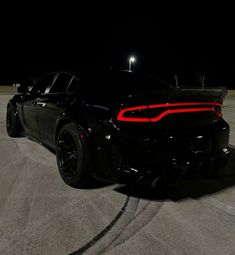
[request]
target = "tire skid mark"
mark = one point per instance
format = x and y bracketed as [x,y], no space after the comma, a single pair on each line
[116,234]
[143,209]
[110,245]
[126,213]
[143,218]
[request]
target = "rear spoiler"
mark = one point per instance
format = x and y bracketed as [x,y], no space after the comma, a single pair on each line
[189,92]
[215,92]
[218,93]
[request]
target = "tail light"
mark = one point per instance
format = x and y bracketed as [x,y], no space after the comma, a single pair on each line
[156,112]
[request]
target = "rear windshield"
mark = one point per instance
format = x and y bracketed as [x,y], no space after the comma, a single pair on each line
[116,84]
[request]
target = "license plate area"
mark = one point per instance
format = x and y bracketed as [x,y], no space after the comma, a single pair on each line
[200,144]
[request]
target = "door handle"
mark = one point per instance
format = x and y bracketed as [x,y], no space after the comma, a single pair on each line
[41,104]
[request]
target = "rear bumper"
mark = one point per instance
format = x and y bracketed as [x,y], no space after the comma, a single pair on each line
[206,166]
[184,152]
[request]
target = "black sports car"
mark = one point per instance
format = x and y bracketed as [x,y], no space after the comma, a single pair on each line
[121,126]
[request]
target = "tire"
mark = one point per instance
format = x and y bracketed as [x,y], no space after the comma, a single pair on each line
[72,155]
[13,126]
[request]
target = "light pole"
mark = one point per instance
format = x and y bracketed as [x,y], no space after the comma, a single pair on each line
[176,81]
[131,60]
[202,78]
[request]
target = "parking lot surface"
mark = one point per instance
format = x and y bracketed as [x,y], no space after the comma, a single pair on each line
[39,214]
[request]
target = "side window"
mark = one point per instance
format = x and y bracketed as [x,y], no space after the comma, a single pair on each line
[43,84]
[61,83]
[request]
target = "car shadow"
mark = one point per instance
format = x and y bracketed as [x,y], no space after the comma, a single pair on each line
[94,183]
[182,188]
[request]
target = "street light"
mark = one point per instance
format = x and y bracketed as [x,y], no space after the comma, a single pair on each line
[131,60]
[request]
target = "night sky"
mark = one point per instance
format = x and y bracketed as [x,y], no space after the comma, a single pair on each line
[164,46]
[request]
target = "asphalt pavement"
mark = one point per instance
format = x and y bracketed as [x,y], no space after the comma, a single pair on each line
[39,214]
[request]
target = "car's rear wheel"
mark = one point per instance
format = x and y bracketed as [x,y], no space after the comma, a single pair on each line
[72,155]
[12,123]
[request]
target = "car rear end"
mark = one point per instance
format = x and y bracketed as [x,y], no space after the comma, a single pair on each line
[162,131]
[174,135]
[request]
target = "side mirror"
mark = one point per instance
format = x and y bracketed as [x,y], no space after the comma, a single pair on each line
[23,89]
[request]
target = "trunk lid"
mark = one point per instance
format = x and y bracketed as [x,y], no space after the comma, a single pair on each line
[172,108]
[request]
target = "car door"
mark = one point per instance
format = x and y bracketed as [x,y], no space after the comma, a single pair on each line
[28,109]
[50,106]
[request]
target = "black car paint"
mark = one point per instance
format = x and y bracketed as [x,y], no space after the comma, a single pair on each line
[129,150]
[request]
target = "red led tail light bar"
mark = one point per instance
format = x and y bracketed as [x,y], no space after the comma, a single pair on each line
[205,107]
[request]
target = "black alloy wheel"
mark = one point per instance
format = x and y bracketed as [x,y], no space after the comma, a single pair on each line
[12,124]
[71,153]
